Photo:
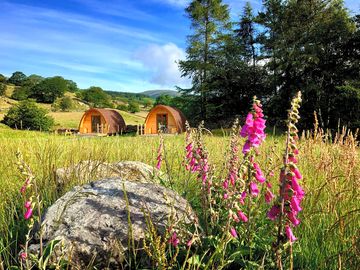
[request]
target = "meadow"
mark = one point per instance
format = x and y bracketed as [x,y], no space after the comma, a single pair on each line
[328,234]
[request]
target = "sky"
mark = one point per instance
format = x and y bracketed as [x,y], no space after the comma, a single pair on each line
[119,45]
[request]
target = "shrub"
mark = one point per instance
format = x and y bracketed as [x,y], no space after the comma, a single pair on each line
[97,97]
[26,115]
[122,107]
[21,93]
[66,104]
[133,107]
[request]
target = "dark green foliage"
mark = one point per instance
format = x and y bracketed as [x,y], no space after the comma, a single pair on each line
[147,102]
[2,89]
[17,78]
[71,86]
[133,107]
[97,97]
[163,100]
[122,107]
[346,106]
[2,78]
[27,115]
[32,80]
[21,93]
[66,104]
[49,89]
[210,22]
[307,47]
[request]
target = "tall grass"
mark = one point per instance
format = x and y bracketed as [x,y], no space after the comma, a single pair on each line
[329,232]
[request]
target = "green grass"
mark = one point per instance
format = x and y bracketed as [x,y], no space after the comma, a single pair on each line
[329,232]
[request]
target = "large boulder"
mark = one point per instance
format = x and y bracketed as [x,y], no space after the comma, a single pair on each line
[92,220]
[87,170]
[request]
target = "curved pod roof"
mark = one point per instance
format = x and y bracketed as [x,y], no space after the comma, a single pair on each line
[112,118]
[178,116]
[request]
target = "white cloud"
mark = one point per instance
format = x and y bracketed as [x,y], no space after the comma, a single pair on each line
[162,61]
[176,3]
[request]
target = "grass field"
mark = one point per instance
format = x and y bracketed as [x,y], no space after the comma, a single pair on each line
[329,232]
[72,119]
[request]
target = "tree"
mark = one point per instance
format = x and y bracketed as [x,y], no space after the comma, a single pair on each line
[246,35]
[133,107]
[26,115]
[2,89]
[49,89]
[71,86]
[148,102]
[122,107]
[32,80]
[2,79]
[209,21]
[21,93]
[304,43]
[17,78]
[97,97]
[163,100]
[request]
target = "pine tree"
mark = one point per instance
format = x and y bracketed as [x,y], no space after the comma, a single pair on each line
[209,21]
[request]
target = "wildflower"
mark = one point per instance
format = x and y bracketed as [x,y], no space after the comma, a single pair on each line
[274,212]
[24,187]
[254,128]
[226,196]
[242,197]
[233,232]
[290,234]
[242,216]
[291,216]
[269,196]
[174,241]
[190,242]
[28,213]
[160,153]
[23,256]
[254,189]
[295,204]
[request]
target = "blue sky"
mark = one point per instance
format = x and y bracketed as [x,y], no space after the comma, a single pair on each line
[121,45]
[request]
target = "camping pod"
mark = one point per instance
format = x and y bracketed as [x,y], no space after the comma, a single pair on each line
[165,118]
[101,121]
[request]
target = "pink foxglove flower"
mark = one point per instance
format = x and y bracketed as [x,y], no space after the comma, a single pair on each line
[27,204]
[269,196]
[174,240]
[274,212]
[291,216]
[242,197]
[254,189]
[242,216]
[23,256]
[233,232]
[290,234]
[28,213]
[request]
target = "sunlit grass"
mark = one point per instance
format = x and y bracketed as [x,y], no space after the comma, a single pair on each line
[328,234]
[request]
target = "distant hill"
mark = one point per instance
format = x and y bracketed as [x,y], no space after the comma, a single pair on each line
[157,93]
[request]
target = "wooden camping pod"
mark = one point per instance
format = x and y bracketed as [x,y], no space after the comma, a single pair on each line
[168,119]
[101,121]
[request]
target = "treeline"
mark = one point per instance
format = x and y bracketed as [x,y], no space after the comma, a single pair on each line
[52,90]
[310,45]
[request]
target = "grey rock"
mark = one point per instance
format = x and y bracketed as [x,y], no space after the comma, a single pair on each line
[88,170]
[92,220]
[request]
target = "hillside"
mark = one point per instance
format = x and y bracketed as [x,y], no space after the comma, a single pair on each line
[71,119]
[157,93]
